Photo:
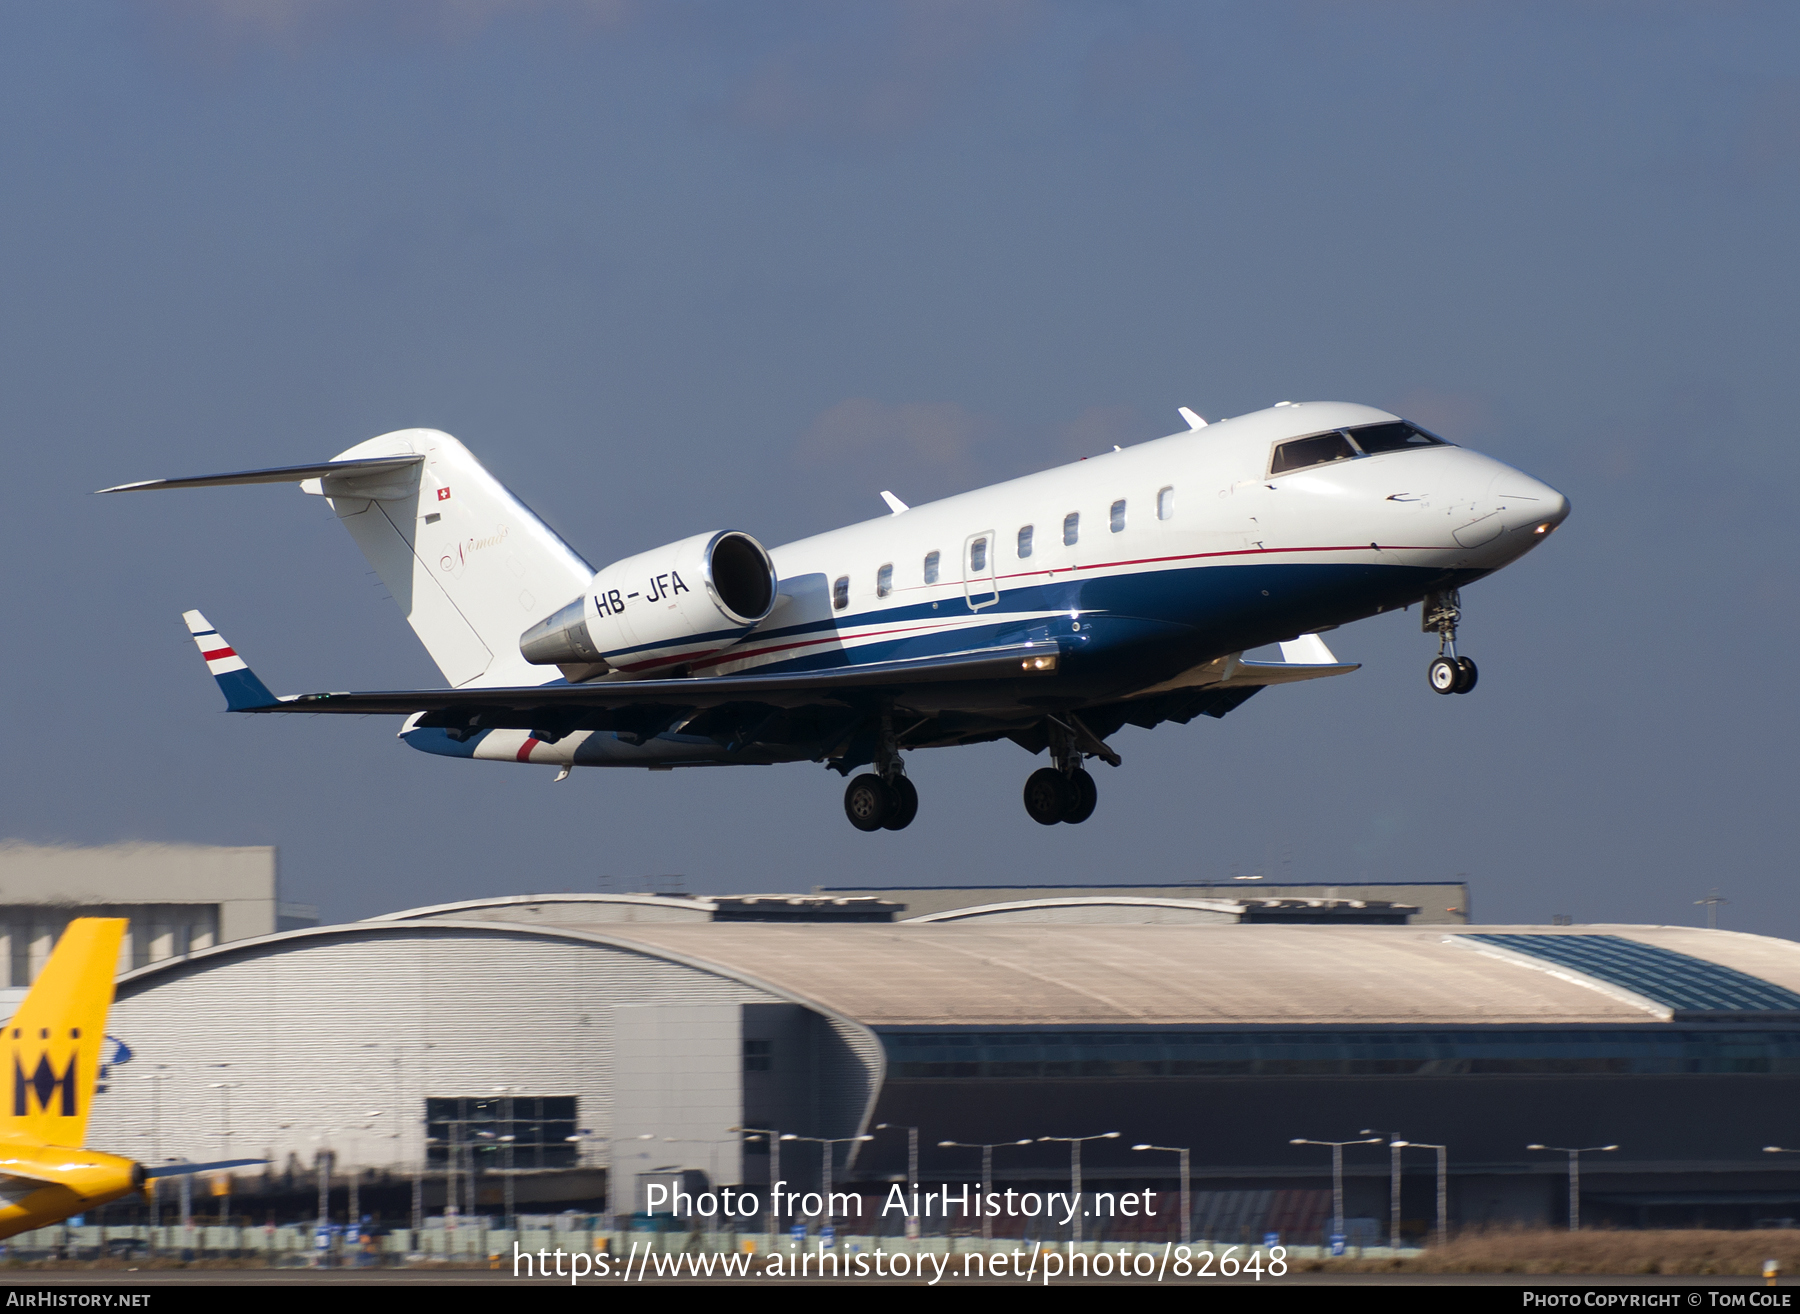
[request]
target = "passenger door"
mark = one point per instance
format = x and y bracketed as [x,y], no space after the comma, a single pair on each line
[979,586]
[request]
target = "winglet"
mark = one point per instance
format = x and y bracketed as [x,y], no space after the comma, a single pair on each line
[1193,419]
[243,691]
[895,505]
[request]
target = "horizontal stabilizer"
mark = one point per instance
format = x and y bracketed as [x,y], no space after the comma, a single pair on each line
[243,691]
[281,474]
[183,1169]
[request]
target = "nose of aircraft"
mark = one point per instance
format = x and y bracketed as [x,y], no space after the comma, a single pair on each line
[1528,506]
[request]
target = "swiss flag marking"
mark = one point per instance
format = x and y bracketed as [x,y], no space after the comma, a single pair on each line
[443,494]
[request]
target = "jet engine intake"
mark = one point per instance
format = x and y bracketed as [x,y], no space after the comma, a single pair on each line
[650,614]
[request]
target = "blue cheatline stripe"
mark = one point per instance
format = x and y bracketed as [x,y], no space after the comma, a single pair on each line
[1675,980]
[1233,607]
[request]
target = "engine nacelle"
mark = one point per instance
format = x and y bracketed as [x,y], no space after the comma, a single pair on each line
[650,613]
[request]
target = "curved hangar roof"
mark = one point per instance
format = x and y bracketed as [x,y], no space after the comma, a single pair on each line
[1000,975]
[988,974]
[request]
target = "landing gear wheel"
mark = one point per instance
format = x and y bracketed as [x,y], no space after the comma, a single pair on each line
[1048,796]
[906,804]
[868,802]
[1084,794]
[1445,675]
[1469,675]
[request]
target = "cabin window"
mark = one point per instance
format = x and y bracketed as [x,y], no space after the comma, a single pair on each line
[1165,504]
[931,567]
[1024,542]
[884,580]
[1117,520]
[1304,453]
[978,557]
[1072,529]
[840,592]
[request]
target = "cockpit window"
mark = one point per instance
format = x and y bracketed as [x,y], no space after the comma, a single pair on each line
[1394,437]
[1303,453]
[1347,444]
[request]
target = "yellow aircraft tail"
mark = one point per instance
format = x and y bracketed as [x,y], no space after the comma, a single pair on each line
[55,1037]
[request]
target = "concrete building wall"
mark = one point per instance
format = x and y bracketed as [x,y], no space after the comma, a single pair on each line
[678,1078]
[319,1031]
[240,882]
[179,899]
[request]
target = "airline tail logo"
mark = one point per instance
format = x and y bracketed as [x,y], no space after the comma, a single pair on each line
[44,1083]
[56,1038]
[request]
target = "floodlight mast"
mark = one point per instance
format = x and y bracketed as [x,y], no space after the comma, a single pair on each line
[1443,1186]
[1574,1174]
[1074,1143]
[912,1168]
[987,1173]
[1337,1174]
[1187,1216]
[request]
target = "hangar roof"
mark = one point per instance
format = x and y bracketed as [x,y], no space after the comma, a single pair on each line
[1008,974]
[994,974]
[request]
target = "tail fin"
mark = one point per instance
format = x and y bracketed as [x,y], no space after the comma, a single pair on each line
[470,565]
[237,681]
[55,1036]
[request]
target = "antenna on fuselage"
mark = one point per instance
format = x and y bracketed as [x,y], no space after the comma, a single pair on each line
[1194,420]
[895,505]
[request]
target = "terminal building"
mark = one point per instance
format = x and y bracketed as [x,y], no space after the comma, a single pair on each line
[632,1037]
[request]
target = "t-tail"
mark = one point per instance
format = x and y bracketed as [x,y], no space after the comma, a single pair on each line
[471,566]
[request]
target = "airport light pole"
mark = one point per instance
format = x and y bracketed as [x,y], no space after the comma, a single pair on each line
[1574,1174]
[825,1144]
[354,1217]
[1443,1185]
[912,1170]
[1337,1174]
[155,1079]
[225,1088]
[1074,1143]
[774,1138]
[1187,1229]
[987,1172]
[509,1140]
[1394,1144]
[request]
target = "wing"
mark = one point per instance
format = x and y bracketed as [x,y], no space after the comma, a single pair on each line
[984,677]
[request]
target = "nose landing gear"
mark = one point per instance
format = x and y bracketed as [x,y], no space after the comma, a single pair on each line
[1448,673]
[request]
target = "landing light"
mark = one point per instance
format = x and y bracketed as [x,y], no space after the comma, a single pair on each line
[1543,529]
[1039,664]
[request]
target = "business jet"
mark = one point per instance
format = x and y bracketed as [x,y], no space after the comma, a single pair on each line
[45,1174]
[1050,610]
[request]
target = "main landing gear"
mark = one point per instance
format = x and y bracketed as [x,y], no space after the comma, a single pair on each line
[1448,673]
[872,803]
[883,799]
[1064,791]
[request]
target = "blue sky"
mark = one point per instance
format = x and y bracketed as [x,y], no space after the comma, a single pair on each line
[674,267]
